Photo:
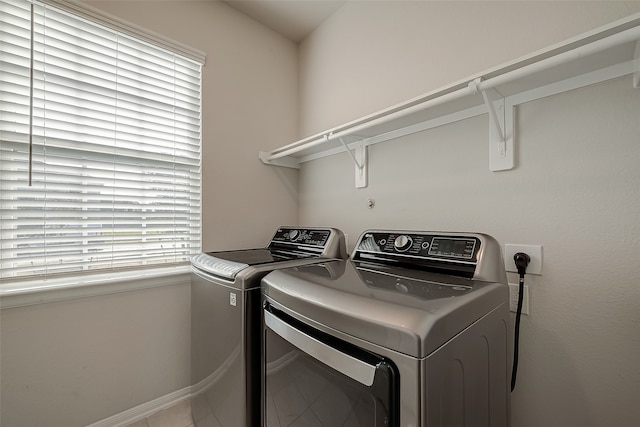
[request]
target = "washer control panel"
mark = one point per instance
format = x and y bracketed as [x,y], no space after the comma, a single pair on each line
[301,236]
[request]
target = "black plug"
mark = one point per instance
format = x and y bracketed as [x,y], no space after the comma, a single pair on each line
[522,260]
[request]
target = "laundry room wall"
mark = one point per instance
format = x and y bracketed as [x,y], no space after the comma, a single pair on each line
[72,362]
[574,189]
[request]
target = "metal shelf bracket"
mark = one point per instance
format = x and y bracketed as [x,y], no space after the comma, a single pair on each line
[359,157]
[287,162]
[501,131]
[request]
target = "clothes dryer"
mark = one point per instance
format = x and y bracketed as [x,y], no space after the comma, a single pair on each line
[411,332]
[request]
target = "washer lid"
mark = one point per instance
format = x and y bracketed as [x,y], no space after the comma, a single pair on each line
[218,266]
[248,256]
[230,263]
[287,244]
[410,311]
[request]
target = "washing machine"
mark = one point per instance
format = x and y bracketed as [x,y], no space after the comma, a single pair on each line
[226,321]
[412,331]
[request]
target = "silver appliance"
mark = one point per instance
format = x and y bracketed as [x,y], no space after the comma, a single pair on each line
[412,331]
[226,320]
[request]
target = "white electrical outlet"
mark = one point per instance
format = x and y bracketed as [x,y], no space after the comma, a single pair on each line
[513,298]
[534,252]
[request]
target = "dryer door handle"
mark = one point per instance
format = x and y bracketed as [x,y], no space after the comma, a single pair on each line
[346,364]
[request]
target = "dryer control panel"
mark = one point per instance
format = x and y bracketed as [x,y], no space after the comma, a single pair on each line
[420,245]
[455,253]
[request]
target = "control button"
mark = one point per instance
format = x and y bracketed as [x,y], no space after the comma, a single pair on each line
[382,242]
[294,235]
[425,245]
[402,243]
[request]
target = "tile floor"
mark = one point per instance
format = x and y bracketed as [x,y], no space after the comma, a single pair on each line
[178,415]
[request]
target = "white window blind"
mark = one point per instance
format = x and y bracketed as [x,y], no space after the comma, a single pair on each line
[116,147]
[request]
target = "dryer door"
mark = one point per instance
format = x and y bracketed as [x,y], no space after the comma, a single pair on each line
[315,379]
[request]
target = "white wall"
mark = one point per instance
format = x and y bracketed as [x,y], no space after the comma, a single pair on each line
[574,190]
[75,362]
[373,54]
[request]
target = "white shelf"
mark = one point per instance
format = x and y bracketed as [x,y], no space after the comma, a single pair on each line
[599,55]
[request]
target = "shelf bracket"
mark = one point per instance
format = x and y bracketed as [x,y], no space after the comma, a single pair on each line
[501,131]
[359,157]
[353,156]
[636,66]
[287,162]
[361,171]
[498,124]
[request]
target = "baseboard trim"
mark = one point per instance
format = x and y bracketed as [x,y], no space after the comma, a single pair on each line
[141,412]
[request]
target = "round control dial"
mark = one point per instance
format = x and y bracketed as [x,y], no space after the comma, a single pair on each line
[294,235]
[402,243]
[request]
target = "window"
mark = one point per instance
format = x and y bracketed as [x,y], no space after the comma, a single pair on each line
[113,126]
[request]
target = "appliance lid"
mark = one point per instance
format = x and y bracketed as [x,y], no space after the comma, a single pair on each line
[406,291]
[217,266]
[229,263]
[288,243]
[412,314]
[248,256]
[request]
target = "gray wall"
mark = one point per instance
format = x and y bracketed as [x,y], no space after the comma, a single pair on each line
[371,55]
[574,190]
[71,363]
[74,362]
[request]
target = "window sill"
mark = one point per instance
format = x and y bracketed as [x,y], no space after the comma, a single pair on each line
[19,294]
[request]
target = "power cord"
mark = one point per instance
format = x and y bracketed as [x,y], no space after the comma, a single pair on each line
[522,260]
